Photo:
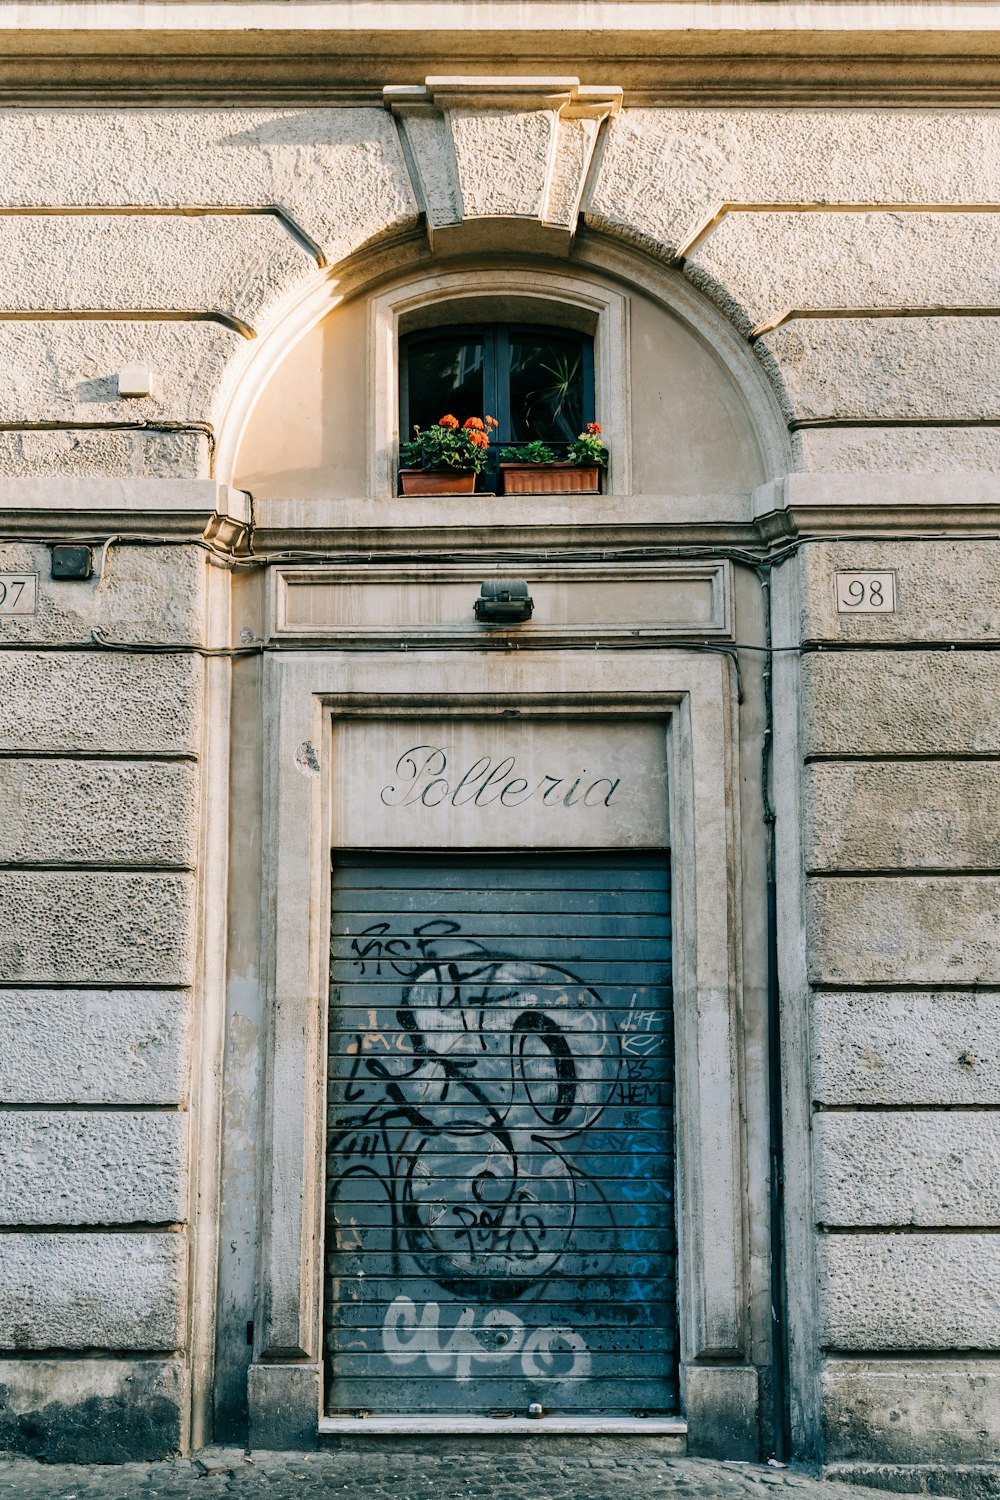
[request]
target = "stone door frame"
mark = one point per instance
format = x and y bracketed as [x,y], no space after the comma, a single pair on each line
[694,693]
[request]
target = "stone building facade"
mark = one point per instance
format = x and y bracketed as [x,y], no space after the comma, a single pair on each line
[776,227]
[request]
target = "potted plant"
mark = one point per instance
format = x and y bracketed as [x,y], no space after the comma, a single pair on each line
[533,469]
[445,458]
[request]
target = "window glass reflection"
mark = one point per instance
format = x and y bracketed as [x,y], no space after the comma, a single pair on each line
[445,375]
[546,388]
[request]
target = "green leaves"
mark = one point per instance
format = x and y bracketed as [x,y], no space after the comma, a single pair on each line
[535,452]
[588,449]
[438,447]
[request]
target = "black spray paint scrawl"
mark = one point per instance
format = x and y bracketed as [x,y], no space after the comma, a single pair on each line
[500,1206]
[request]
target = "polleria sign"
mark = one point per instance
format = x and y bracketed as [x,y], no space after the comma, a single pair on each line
[424,774]
[478,784]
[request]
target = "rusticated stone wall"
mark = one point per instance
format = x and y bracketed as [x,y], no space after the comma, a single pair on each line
[99,860]
[171,237]
[898,741]
[854,248]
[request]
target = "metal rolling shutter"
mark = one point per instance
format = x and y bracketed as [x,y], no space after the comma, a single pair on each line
[500,1225]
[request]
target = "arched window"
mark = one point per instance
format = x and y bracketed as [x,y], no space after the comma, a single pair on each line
[538,382]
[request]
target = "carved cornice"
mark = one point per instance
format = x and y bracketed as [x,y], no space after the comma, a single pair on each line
[340,52]
[194,509]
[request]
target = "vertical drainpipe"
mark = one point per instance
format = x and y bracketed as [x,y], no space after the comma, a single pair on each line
[779,1347]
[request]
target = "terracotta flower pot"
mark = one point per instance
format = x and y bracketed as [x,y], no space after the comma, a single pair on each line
[551,479]
[437,481]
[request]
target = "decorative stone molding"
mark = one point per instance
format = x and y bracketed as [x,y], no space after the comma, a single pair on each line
[487,148]
[194,508]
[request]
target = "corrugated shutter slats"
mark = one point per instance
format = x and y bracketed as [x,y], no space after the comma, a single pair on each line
[500,1218]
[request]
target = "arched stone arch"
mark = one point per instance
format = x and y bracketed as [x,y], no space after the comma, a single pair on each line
[595,283]
[501,168]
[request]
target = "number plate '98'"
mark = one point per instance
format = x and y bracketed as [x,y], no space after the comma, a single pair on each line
[866,593]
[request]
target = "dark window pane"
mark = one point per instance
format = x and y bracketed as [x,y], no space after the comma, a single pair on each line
[445,376]
[546,387]
[538,382]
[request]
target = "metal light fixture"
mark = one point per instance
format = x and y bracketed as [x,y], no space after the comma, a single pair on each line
[503,601]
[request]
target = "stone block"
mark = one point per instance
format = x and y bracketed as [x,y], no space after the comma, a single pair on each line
[233,263]
[664,172]
[284,1402]
[906,1048]
[143,454]
[93,1411]
[959,1481]
[98,812]
[900,702]
[92,1291]
[94,1046]
[768,262]
[428,136]
[919,930]
[911,1411]
[338,172]
[68,371]
[70,927]
[901,815]
[574,149]
[885,367]
[483,137]
[945,590]
[933,1170]
[909,1291]
[62,701]
[885,450]
[93,1168]
[720,1402]
[142,593]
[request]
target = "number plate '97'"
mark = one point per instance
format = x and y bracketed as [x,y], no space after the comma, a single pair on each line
[18,593]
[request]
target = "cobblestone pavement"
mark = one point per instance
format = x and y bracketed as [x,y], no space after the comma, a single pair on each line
[573,1469]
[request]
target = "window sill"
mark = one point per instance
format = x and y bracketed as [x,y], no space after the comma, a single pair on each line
[462,513]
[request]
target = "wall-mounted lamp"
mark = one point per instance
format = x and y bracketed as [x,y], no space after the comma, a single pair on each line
[503,601]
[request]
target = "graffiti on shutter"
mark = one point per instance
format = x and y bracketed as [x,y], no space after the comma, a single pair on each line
[500,1224]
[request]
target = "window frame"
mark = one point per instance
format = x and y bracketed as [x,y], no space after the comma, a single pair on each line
[532,295]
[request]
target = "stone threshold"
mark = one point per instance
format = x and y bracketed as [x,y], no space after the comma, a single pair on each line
[554,1426]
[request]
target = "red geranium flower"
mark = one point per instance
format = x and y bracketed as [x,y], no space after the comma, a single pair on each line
[450,422]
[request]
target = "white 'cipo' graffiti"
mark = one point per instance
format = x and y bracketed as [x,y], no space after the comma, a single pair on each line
[409,1336]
